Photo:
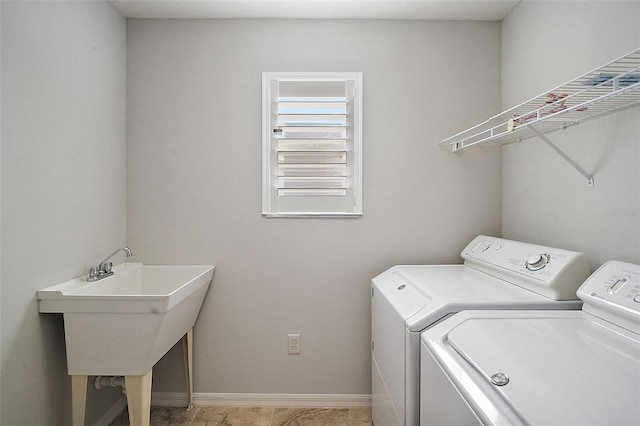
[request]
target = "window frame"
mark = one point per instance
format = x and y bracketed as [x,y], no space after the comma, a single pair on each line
[269,149]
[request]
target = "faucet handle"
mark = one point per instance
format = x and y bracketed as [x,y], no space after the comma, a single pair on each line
[94,272]
[107,267]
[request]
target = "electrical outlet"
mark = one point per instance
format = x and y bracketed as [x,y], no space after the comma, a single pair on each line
[294,343]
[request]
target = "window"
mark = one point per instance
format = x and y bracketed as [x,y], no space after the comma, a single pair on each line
[311,144]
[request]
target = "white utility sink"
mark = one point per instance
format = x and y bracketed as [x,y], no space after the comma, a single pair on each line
[123,324]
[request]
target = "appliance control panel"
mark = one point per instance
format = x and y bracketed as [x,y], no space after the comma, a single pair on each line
[552,272]
[614,289]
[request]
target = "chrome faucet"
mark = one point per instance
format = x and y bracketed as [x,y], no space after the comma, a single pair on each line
[105,268]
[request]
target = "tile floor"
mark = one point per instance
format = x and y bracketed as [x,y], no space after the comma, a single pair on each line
[254,416]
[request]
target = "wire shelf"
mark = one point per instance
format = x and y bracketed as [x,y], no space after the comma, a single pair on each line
[612,87]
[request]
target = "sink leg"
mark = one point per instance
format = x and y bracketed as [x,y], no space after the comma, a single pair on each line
[187,356]
[78,399]
[139,399]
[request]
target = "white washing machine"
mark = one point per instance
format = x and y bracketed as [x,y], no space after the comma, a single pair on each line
[540,368]
[406,300]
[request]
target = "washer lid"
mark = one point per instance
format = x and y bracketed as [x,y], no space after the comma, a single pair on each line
[556,368]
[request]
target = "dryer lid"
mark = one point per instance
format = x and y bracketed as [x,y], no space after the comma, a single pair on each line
[424,294]
[553,370]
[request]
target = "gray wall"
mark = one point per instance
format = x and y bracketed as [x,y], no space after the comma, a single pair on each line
[545,44]
[193,185]
[63,186]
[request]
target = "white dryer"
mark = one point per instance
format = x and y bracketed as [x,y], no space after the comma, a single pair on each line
[540,368]
[406,300]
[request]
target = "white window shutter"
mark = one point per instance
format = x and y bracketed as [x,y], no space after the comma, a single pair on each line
[312,144]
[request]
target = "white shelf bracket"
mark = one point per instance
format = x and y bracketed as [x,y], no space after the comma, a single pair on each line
[575,165]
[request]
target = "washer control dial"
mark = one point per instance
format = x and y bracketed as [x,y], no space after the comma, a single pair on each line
[537,261]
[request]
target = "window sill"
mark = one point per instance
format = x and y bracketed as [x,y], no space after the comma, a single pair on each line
[311,215]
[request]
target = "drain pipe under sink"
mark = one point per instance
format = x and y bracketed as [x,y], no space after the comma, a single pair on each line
[110,381]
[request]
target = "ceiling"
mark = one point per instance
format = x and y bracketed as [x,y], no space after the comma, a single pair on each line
[480,10]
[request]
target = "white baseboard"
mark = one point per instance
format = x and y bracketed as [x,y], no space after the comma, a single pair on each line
[170,399]
[179,399]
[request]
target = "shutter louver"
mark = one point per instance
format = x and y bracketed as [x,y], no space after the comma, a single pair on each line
[312,142]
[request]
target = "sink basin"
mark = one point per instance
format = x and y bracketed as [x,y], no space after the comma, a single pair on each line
[123,324]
